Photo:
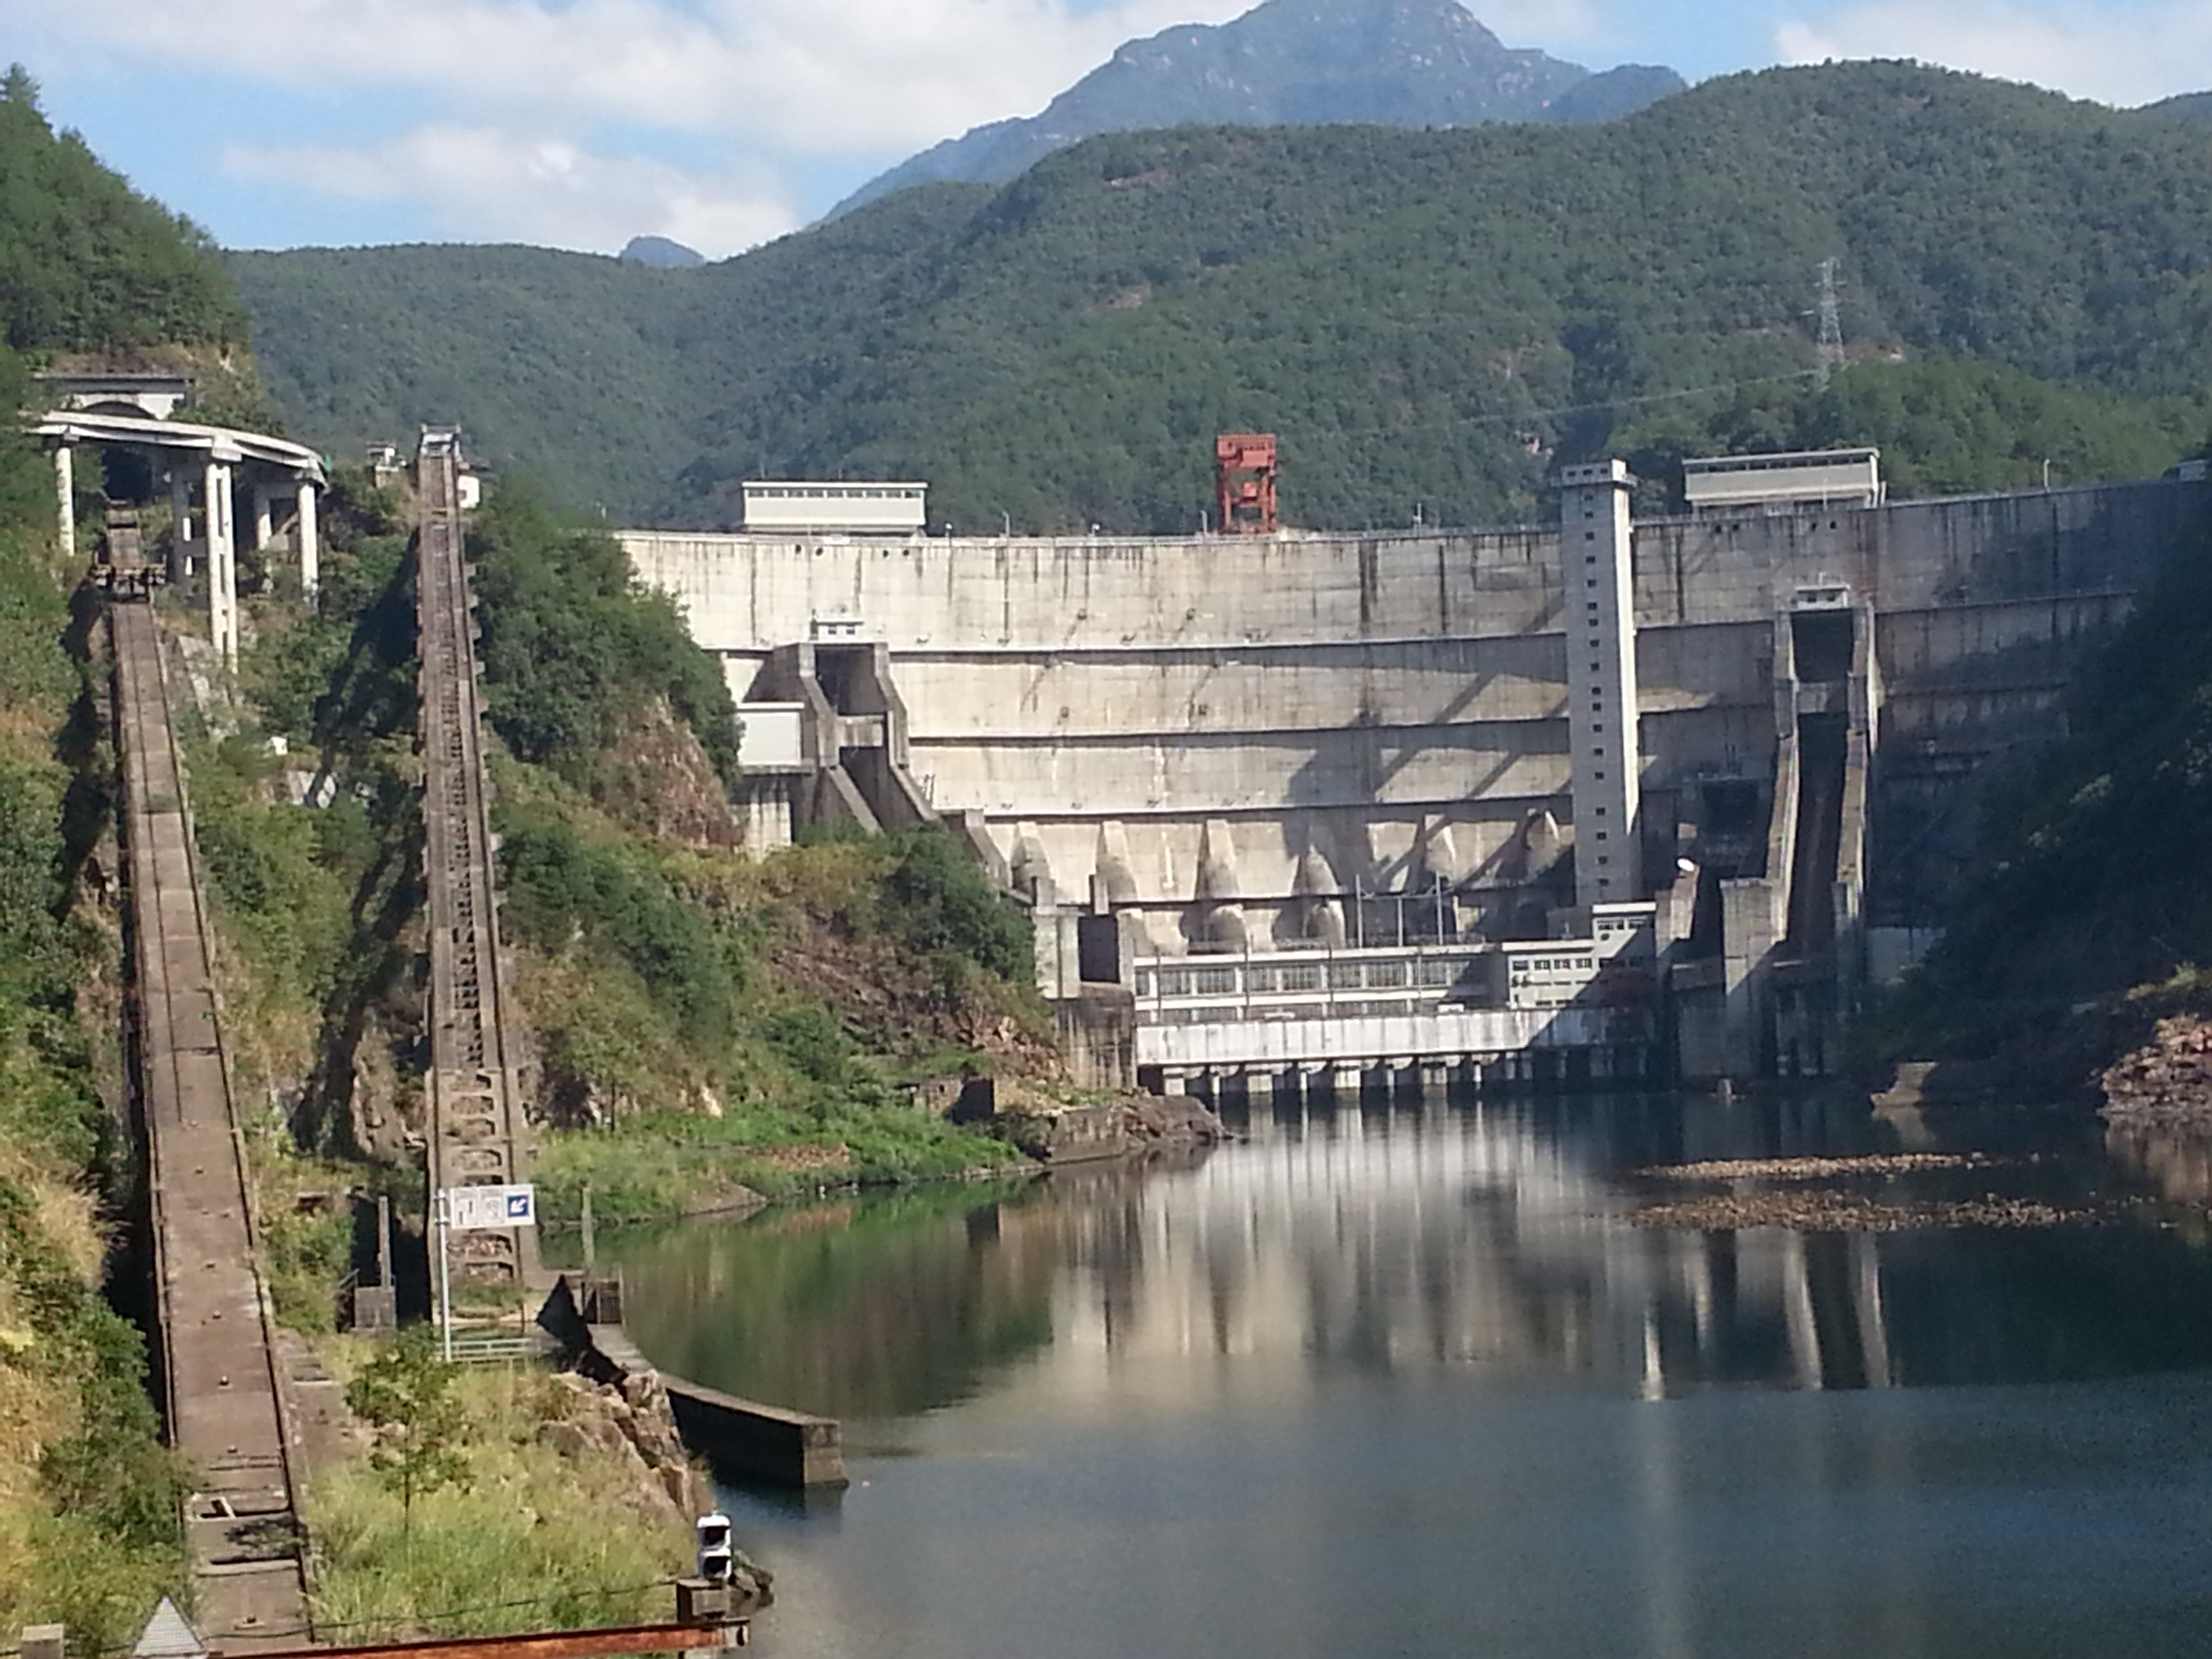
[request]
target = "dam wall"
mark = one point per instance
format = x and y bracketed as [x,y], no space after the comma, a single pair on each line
[1258,718]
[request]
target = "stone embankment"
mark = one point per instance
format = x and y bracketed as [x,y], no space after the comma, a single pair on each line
[2168,1079]
[1055,1133]
[633,1422]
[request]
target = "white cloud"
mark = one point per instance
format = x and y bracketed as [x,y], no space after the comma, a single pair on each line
[802,77]
[487,184]
[2122,54]
[583,122]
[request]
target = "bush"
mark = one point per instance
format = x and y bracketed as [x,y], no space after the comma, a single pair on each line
[937,900]
[573,649]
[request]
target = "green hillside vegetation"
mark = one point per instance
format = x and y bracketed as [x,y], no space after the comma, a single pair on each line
[85,261]
[2194,107]
[2088,911]
[678,1053]
[1427,318]
[88,1521]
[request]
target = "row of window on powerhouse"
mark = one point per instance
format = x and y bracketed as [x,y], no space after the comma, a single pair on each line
[1297,978]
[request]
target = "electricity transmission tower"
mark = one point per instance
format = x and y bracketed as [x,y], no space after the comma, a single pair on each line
[1832,322]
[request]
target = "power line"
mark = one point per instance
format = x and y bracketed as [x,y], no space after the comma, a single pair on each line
[1524,416]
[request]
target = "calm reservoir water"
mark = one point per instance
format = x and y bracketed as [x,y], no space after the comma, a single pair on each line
[1407,1380]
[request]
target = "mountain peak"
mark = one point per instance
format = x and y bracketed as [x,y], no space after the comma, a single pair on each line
[1294,63]
[661,253]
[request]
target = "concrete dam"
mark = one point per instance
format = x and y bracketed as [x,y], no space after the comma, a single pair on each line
[1257,781]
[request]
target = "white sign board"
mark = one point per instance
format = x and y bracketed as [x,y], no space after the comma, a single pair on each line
[474,1209]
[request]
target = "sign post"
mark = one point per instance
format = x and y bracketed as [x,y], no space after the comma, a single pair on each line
[494,1208]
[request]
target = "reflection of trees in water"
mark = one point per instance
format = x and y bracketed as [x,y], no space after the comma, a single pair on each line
[884,1307]
[2173,1159]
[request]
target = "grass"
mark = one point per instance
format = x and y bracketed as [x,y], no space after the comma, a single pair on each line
[537,1540]
[306,1211]
[662,1164]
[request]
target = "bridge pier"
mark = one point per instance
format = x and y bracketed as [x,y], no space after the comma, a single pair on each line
[311,552]
[180,528]
[220,513]
[66,500]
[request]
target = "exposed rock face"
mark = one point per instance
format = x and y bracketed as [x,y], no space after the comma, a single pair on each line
[1295,62]
[1055,1132]
[2168,1079]
[674,784]
[661,253]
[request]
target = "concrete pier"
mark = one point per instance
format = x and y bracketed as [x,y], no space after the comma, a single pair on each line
[742,1439]
[748,1441]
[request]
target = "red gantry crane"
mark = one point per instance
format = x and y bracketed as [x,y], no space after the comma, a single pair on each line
[1244,483]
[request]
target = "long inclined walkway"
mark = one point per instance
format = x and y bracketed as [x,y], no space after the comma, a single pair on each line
[220,1390]
[477,1128]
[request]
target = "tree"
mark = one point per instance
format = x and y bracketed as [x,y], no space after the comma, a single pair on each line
[17,87]
[406,1395]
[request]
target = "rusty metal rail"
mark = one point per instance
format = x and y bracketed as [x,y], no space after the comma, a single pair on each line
[219,1384]
[477,1132]
[555,1644]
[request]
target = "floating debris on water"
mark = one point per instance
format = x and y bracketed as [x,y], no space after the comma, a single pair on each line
[1824,1168]
[1847,1212]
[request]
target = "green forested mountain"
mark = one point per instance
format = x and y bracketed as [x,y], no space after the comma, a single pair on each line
[86,261]
[1430,318]
[2192,107]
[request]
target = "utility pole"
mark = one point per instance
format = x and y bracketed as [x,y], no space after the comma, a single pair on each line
[1832,322]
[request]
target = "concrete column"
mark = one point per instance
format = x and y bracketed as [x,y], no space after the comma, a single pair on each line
[66,500]
[221,563]
[264,517]
[1598,587]
[180,526]
[311,553]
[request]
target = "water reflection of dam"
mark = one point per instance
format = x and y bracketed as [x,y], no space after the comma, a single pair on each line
[1452,1237]
[1482,1240]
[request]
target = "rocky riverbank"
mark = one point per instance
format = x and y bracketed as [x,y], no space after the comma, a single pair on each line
[633,1425]
[2167,1079]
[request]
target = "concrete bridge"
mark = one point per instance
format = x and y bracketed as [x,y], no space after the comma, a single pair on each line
[210,470]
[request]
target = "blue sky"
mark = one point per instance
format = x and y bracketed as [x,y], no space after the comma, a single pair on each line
[724,123]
